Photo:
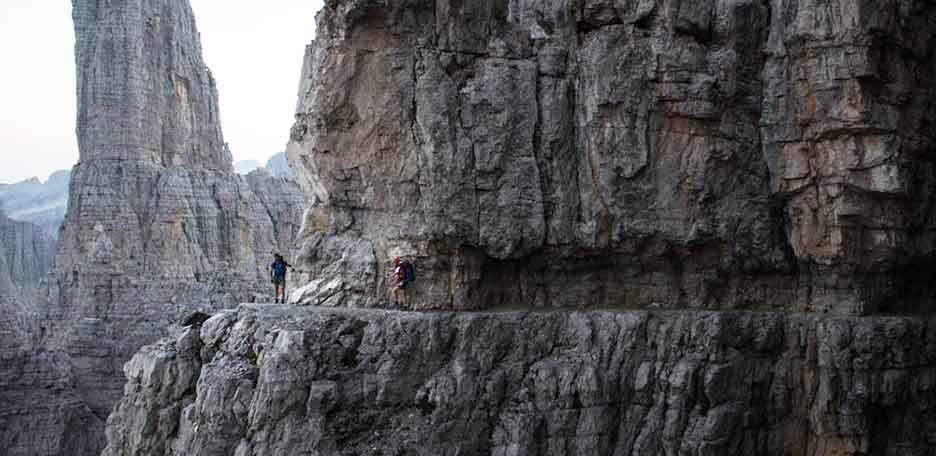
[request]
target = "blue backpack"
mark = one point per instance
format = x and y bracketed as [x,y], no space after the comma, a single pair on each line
[410,272]
[279,269]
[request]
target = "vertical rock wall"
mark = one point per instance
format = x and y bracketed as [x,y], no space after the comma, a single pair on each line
[717,154]
[723,154]
[268,380]
[157,226]
[39,413]
[847,131]
[26,256]
[144,91]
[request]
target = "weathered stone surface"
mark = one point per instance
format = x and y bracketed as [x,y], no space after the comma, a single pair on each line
[266,380]
[144,91]
[39,414]
[40,203]
[158,224]
[719,154]
[26,256]
[848,110]
[40,410]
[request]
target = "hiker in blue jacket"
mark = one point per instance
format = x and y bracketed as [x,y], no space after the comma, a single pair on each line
[278,277]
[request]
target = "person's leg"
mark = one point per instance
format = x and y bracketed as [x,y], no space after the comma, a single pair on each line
[397,299]
[280,293]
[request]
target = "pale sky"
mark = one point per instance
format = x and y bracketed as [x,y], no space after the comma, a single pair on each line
[254,52]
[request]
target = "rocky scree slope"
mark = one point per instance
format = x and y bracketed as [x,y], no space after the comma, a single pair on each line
[157,225]
[643,153]
[269,380]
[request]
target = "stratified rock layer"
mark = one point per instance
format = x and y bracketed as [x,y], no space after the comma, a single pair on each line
[144,91]
[718,154]
[39,412]
[157,224]
[27,253]
[266,380]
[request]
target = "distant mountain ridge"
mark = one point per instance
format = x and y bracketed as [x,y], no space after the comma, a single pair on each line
[276,165]
[34,201]
[244,167]
[44,203]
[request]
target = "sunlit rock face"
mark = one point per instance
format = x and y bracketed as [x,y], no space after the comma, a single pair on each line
[719,154]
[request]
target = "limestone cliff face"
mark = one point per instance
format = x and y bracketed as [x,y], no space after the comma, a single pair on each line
[764,160]
[718,154]
[266,380]
[157,223]
[144,91]
[39,413]
[26,256]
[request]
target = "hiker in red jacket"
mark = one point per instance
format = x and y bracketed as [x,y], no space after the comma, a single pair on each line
[402,274]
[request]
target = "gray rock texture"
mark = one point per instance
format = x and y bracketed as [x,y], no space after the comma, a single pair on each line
[699,211]
[715,154]
[157,221]
[144,91]
[27,253]
[40,203]
[39,414]
[268,380]
[157,225]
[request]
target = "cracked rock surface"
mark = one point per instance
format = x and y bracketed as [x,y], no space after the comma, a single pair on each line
[269,380]
[722,154]
[158,224]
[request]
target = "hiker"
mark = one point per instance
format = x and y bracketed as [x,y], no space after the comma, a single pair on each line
[278,277]
[403,274]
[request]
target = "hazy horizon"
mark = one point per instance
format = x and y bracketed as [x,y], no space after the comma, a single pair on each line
[255,55]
